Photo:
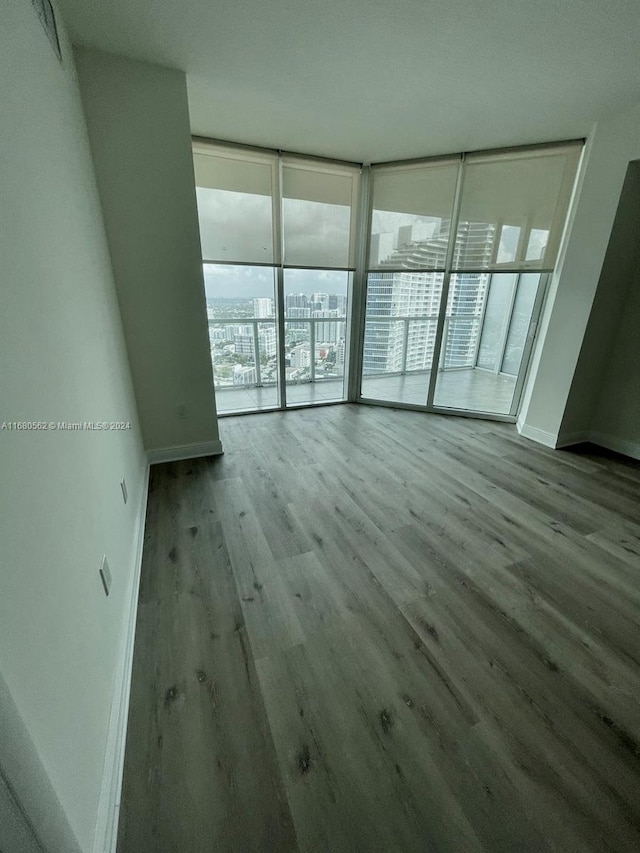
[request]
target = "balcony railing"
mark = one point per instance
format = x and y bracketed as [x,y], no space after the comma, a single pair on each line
[255,322]
[459,348]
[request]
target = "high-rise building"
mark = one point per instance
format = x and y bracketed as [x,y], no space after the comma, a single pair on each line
[267,340]
[295,300]
[245,329]
[244,375]
[243,344]
[337,302]
[465,305]
[263,307]
[402,343]
[330,331]
[320,301]
[296,313]
[300,356]
[217,333]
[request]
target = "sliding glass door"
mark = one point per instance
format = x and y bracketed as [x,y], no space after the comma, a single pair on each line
[411,210]
[487,331]
[400,334]
[319,211]
[315,307]
[460,253]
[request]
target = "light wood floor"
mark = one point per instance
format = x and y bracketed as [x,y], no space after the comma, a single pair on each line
[372,630]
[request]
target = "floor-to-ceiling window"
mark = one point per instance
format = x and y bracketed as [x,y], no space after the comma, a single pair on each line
[235,194]
[411,211]
[319,210]
[278,245]
[460,252]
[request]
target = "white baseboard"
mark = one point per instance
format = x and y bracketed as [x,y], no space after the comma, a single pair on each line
[184,451]
[566,439]
[106,835]
[612,442]
[535,434]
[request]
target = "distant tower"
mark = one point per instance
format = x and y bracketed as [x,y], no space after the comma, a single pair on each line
[263,307]
[395,345]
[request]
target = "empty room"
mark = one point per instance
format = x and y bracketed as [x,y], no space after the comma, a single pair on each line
[320,428]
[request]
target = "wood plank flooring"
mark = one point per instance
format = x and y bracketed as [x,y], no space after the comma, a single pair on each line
[369,630]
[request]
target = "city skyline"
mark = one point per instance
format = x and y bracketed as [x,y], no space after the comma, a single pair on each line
[403,302]
[228,281]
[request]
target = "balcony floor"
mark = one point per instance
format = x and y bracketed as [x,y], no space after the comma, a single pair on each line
[475,390]
[251,399]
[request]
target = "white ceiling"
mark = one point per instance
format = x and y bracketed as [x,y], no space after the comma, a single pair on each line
[369,80]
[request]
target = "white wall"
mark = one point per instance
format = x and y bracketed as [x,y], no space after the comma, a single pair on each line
[30,809]
[595,379]
[138,121]
[616,417]
[16,834]
[63,358]
[614,143]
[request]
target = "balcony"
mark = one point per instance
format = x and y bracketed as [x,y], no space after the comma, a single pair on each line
[471,388]
[251,383]
[485,334]
[469,375]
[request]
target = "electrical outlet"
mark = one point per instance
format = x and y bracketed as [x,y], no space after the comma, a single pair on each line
[123,487]
[105,575]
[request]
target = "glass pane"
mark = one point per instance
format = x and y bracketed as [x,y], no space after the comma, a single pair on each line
[411,217]
[495,321]
[234,196]
[487,317]
[400,328]
[460,385]
[460,342]
[317,215]
[520,321]
[530,192]
[508,245]
[465,305]
[536,247]
[315,303]
[242,338]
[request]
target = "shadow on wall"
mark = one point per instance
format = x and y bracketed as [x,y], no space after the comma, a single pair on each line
[604,403]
